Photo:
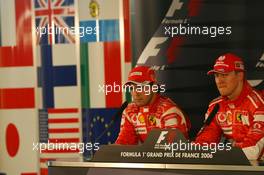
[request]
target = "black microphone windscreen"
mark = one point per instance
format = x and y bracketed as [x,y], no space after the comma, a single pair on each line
[113,120]
[120,110]
[124,105]
[212,114]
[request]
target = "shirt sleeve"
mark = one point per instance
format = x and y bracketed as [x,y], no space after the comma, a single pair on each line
[174,118]
[127,134]
[253,143]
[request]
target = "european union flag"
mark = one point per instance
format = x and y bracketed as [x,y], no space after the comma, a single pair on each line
[96,121]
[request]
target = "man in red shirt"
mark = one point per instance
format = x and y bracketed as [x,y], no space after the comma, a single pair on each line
[240,117]
[148,109]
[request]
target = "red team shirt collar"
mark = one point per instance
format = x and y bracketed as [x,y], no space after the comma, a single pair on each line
[148,108]
[245,91]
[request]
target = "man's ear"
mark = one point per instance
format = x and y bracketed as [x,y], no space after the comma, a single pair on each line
[241,76]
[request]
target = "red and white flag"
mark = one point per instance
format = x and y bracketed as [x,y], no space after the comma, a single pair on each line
[18,121]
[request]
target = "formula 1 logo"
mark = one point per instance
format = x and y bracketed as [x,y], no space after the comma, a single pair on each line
[175,5]
[259,65]
[165,139]
[152,48]
[162,136]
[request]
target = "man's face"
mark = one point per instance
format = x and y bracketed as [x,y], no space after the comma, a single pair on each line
[228,83]
[142,95]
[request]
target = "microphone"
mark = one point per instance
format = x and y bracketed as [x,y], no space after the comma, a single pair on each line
[212,115]
[119,112]
[209,118]
[113,120]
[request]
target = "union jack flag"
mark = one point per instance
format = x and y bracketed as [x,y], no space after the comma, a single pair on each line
[54,21]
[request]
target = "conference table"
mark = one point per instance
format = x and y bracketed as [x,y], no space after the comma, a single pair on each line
[83,167]
[152,158]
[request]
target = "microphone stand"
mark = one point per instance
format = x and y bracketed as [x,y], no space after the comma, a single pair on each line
[114,118]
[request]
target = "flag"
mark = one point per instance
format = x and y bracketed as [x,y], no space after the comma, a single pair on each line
[106,30]
[1,23]
[57,75]
[95,122]
[17,86]
[15,34]
[58,126]
[105,61]
[127,42]
[101,65]
[104,47]
[101,48]
[59,93]
[19,132]
[7,23]
[101,21]
[54,21]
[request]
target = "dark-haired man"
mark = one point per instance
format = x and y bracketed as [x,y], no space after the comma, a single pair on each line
[148,109]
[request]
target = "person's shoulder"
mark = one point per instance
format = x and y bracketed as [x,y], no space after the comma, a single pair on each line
[166,101]
[255,98]
[215,101]
[168,106]
[131,108]
[262,92]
